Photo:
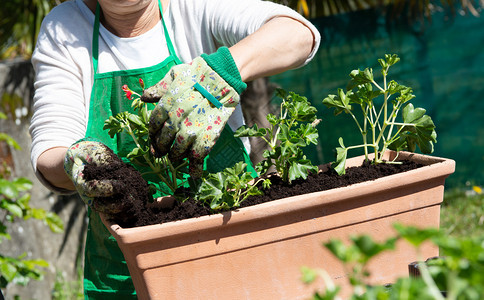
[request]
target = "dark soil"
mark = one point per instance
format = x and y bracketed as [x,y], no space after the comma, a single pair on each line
[137,210]
[132,192]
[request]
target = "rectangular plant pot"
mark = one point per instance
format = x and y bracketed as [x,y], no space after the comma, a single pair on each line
[257,252]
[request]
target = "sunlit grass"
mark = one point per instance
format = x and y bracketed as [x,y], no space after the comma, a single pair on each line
[462,213]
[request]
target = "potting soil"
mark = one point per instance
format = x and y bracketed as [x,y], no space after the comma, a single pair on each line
[134,198]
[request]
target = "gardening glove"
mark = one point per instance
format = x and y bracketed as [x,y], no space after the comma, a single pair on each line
[195,100]
[99,194]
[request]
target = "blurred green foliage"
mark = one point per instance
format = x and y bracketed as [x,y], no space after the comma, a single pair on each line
[14,205]
[20,22]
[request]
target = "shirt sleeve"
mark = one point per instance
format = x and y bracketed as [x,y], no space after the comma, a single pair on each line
[59,105]
[202,26]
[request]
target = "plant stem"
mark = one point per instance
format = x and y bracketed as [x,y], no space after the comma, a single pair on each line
[378,86]
[377,116]
[171,185]
[274,137]
[434,290]
[365,125]
[359,146]
[385,95]
[392,123]
[385,114]
[356,121]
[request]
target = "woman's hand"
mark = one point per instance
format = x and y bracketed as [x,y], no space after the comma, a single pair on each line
[195,100]
[97,174]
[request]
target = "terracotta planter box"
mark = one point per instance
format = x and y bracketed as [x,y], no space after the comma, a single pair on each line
[257,252]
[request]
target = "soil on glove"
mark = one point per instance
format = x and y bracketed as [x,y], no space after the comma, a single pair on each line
[128,205]
[140,213]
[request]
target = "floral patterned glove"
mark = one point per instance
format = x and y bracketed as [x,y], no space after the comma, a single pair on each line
[94,192]
[195,101]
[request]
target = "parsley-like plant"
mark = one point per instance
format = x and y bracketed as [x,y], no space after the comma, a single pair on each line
[228,188]
[289,132]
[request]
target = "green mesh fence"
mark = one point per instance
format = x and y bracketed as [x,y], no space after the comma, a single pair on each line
[441,60]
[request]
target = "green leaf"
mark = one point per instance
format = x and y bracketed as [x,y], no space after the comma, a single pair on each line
[8,270]
[8,189]
[405,96]
[342,252]
[290,141]
[472,249]
[364,94]
[361,77]
[33,263]
[369,248]
[340,104]
[391,59]
[263,166]
[217,202]
[300,168]
[423,129]
[13,208]
[135,121]
[308,133]
[10,141]
[308,274]
[411,114]
[253,131]
[226,189]
[38,213]
[273,120]
[212,187]
[137,153]
[300,108]
[400,144]
[383,63]
[54,222]
[23,201]
[22,184]
[414,235]
[329,294]
[113,125]
[339,165]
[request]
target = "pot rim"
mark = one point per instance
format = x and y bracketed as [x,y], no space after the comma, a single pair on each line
[436,168]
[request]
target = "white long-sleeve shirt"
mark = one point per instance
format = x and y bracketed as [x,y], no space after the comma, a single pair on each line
[62,59]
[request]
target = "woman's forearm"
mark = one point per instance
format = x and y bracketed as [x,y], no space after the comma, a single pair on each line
[51,165]
[281,44]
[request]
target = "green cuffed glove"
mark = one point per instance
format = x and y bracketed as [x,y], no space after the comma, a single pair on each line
[195,100]
[93,168]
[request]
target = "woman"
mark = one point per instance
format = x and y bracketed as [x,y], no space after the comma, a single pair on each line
[88,49]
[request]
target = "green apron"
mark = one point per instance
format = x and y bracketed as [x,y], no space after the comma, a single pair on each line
[106,275]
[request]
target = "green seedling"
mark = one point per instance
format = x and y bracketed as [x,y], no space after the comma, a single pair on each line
[136,126]
[381,105]
[227,189]
[288,134]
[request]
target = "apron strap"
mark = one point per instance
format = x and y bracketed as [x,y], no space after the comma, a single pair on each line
[171,49]
[95,38]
